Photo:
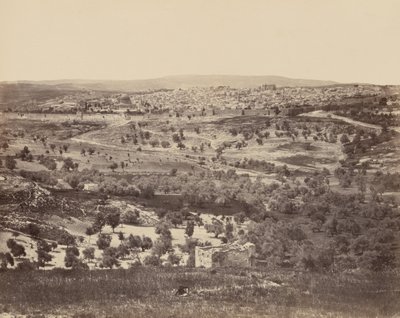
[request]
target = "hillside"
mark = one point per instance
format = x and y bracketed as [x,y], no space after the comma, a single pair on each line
[312,200]
[16,93]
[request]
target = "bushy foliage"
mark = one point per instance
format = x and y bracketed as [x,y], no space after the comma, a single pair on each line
[103,241]
[42,176]
[17,250]
[49,163]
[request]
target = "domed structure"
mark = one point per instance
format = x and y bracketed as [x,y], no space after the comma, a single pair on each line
[125,99]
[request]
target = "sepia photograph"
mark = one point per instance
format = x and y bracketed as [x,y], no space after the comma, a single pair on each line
[199,158]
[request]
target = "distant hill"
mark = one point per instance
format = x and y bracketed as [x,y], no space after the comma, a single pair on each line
[184,81]
[21,92]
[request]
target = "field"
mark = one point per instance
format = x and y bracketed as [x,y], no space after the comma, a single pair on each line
[104,136]
[229,292]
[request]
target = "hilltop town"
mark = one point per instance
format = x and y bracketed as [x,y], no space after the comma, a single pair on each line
[290,100]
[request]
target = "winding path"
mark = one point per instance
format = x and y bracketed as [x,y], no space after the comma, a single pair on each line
[324,114]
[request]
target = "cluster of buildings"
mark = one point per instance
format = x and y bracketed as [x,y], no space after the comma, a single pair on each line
[89,102]
[264,97]
[197,99]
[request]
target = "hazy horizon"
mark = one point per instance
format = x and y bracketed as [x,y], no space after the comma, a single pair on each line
[165,76]
[349,41]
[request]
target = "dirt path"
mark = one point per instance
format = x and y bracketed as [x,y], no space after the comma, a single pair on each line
[324,114]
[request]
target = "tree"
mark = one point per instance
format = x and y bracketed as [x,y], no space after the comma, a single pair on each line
[162,228]
[52,147]
[4,145]
[162,245]
[99,222]
[165,144]
[175,218]
[173,259]
[67,239]
[176,138]
[5,259]
[122,165]
[344,139]
[88,253]
[154,142]
[134,242]
[122,250]
[229,231]
[103,241]
[16,249]
[89,232]
[152,260]
[25,154]
[147,243]
[110,258]
[26,265]
[112,219]
[69,164]
[83,152]
[10,163]
[216,227]
[181,145]
[182,137]
[43,256]
[147,135]
[65,147]
[147,191]
[131,217]
[32,229]
[113,166]
[71,258]
[240,217]
[189,228]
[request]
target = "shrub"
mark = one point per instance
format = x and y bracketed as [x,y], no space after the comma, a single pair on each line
[71,257]
[110,258]
[16,249]
[131,217]
[66,239]
[39,176]
[103,241]
[173,259]
[49,163]
[10,163]
[165,144]
[152,260]
[26,265]
[88,253]
[32,229]
[5,260]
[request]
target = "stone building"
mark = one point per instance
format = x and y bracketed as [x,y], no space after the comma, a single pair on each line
[225,255]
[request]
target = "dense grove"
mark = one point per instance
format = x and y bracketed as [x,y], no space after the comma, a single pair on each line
[358,231]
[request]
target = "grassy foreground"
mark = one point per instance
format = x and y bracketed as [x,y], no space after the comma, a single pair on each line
[228,292]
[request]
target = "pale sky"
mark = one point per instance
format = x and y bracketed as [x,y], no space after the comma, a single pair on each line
[345,40]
